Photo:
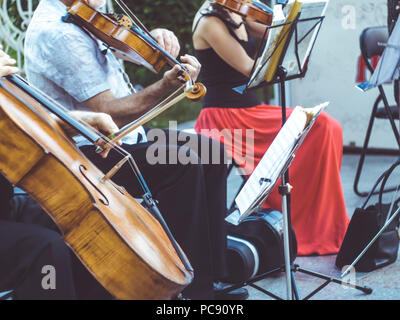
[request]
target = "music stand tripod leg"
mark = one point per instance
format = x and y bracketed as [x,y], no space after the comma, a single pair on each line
[284,191]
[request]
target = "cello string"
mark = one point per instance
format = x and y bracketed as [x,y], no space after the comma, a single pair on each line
[120,150]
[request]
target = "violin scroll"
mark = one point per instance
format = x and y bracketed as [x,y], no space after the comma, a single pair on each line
[196,92]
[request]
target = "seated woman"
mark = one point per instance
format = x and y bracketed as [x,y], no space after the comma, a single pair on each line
[224,44]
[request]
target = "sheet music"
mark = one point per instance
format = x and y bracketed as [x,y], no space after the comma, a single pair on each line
[388,66]
[309,9]
[261,68]
[272,164]
[306,30]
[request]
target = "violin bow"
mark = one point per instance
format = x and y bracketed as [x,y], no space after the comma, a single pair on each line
[132,16]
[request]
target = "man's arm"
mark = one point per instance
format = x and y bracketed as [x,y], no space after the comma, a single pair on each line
[127,109]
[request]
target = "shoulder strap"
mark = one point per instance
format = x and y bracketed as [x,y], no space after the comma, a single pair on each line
[384,177]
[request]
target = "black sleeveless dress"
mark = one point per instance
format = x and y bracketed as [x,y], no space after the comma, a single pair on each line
[220,78]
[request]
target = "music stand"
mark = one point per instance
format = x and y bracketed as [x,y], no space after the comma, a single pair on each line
[281,76]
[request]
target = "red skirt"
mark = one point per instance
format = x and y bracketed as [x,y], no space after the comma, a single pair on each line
[318,209]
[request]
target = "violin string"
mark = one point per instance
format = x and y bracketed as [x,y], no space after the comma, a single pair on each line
[132,16]
[140,26]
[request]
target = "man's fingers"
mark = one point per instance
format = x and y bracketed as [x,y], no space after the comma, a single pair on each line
[167,41]
[193,72]
[176,47]
[173,73]
[106,124]
[6,60]
[5,71]
[192,65]
[191,60]
[160,40]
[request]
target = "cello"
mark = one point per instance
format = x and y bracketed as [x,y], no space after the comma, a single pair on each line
[122,244]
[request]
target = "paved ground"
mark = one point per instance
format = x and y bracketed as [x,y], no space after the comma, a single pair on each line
[384,282]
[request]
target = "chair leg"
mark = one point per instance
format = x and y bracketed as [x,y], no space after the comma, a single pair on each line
[389,113]
[381,97]
[364,149]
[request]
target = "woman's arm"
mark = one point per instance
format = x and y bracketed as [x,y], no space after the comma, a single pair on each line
[256,29]
[211,32]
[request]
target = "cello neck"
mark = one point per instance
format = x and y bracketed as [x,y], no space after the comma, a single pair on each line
[53,107]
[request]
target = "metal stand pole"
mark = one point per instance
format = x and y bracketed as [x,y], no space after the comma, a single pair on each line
[284,190]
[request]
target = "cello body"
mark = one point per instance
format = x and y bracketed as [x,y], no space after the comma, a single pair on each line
[118,241]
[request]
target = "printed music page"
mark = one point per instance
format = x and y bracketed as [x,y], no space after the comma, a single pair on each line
[388,66]
[307,32]
[261,67]
[276,41]
[274,162]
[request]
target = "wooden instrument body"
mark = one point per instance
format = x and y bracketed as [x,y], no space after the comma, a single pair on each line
[119,241]
[125,43]
[246,9]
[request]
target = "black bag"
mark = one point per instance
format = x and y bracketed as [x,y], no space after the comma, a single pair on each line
[364,226]
[264,230]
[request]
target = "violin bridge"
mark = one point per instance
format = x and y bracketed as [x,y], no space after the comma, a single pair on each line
[114,170]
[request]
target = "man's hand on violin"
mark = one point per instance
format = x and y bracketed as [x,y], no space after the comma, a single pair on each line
[98,120]
[6,64]
[192,66]
[167,40]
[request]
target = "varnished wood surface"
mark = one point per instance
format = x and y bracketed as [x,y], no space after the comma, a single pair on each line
[120,243]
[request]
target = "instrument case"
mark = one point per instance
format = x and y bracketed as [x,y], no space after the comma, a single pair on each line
[262,230]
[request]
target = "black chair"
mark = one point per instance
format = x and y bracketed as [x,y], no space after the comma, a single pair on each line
[372,42]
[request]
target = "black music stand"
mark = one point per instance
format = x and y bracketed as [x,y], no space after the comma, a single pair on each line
[281,76]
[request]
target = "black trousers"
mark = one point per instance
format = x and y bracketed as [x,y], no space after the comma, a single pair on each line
[30,241]
[191,196]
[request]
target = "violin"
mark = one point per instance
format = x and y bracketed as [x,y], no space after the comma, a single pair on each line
[129,42]
[118,240]
[248,9]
